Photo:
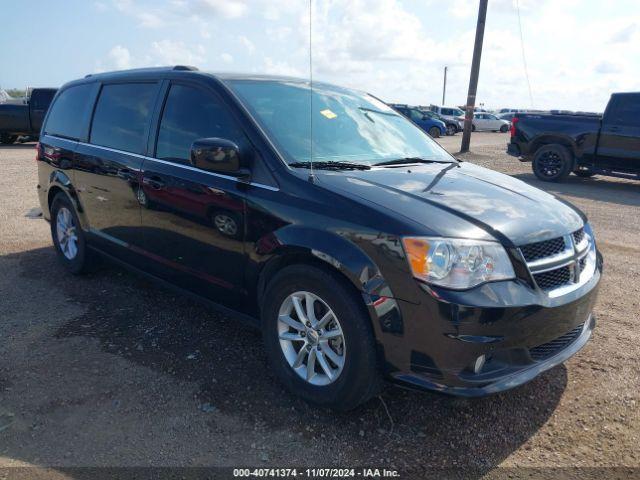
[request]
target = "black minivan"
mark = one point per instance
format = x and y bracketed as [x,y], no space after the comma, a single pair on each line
[361,248]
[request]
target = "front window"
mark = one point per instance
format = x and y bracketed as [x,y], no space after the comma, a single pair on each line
[348,126]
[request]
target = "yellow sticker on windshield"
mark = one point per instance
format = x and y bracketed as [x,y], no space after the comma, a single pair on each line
[328,113]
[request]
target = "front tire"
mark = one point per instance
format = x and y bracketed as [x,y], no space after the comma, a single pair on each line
[318,338]
[504,128]
[451,130]
[68,237]
[552,163]
[434,132]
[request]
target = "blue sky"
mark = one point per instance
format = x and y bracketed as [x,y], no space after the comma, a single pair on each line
[578,52]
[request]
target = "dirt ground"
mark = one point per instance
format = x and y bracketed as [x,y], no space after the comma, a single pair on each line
[111,370]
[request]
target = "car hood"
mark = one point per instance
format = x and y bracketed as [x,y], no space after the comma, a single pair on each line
[439,196]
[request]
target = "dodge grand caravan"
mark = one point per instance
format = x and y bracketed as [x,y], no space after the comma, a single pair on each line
[360,247]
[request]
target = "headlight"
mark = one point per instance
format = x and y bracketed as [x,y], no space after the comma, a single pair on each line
[456,263]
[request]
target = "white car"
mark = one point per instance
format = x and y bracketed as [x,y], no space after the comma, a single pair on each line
[488,121]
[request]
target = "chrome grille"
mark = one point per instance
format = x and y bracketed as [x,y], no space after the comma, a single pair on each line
[582,263]
[554,278]
[538,250]
[546,350]
[557,262]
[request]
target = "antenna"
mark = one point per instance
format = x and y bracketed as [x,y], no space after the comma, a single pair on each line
[311,176]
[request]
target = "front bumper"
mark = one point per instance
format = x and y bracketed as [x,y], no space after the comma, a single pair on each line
[519,333]
[506,380]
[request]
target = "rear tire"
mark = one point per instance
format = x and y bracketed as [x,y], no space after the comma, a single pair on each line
[434,132]
[473,127]
[552,163]
[8,139]
[353,359]
[68,237]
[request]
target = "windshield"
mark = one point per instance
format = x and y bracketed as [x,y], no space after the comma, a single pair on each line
[348,126]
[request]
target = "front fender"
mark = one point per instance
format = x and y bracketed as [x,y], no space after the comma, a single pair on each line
[341,252]
[338,251]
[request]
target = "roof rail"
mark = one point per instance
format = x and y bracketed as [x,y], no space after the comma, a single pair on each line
[188,68]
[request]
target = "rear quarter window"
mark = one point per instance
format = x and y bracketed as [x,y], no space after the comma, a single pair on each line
[122,116]
[67,116]
[625,111]
[40,99]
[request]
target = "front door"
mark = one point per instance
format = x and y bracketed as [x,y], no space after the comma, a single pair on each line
[193,220]
[619,144]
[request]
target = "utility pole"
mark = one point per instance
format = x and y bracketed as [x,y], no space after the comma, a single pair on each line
[473,79]
[444,85]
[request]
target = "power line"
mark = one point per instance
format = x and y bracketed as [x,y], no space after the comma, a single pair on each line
[524,57]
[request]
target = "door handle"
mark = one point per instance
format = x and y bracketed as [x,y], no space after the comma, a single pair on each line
[153,182]
[126,174]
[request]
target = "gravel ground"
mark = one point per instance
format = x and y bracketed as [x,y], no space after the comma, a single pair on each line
[111,370]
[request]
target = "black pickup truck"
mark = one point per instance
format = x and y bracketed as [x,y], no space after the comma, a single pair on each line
[585,144]
[25,120]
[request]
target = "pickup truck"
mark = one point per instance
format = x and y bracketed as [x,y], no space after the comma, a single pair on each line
[25,120]
[585,144]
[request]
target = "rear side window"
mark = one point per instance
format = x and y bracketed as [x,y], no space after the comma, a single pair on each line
[416,115]
[122,115]
[189,114]
[69,111]
[625,111]
[40,99]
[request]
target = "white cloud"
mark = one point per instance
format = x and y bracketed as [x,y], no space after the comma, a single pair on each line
[277,67]
[246,43]
[120,57]
[393,49]
[626,34]
[226,58]
[224,8]
[168,52]
[607,67]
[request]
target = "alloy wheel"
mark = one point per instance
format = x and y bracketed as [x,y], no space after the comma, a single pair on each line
[311,338]
[226,225]
[66,233]
[550,164]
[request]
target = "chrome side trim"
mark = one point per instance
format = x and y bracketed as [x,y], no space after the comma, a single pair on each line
[187,167]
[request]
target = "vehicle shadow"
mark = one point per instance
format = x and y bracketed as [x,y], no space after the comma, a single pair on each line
[600,188]
[411,431]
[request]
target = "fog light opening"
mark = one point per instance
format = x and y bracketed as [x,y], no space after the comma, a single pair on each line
[479,363]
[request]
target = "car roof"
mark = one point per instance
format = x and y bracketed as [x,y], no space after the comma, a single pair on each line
[165,72]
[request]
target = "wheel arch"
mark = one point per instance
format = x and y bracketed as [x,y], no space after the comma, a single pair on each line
[59,182]
[542,140]
[331,252]
[325,248]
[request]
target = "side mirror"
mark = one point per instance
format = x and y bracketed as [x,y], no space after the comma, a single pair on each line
[218,155]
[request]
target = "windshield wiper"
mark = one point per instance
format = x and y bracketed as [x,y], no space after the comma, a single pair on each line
[328,165]
[408,161]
